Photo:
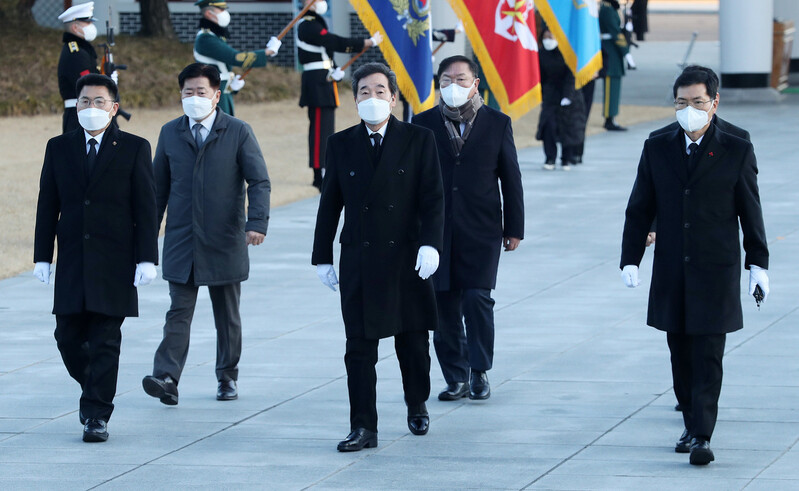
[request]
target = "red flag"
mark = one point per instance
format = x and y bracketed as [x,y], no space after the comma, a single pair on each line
[502,34]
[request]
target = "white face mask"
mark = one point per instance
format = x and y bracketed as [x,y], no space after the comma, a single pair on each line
[223,18]
[196,107]
[692,119]
[90,32]
[374,110]
[93,119]
[320,7]
[454,95]
[549,44]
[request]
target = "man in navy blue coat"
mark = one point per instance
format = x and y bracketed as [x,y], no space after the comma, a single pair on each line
[478,157]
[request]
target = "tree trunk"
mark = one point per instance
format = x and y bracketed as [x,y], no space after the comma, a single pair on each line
[155,21]
[25,11]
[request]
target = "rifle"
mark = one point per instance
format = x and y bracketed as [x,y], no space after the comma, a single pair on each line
[108,67]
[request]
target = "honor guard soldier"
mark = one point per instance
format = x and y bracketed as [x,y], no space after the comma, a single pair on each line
[78,58]
[211,47]
[614,49]
[316,46]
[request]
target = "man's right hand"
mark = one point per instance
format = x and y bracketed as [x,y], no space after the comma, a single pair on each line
[337,74]
[42,271]
[327,274]
[629,274]
[650,238]
[376,39]
[273,46]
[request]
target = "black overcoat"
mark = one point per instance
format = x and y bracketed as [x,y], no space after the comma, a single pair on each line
[475,223]
[557,82]
[104,225]
[697,266]
[390,210]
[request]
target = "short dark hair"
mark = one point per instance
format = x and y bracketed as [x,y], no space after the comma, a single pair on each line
[370,69]
[196,70]
[97,80]
[446,62]
[695,74]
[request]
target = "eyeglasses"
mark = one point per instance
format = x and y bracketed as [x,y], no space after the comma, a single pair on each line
[98,102]
[462,81]
[696,104]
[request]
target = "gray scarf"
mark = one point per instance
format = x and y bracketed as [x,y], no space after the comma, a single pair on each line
[464,114]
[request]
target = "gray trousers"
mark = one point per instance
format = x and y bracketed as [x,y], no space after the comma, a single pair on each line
[170,357]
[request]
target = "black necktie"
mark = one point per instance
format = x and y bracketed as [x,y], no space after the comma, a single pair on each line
[198,139]
[91,157]
[377,137]
[693,157]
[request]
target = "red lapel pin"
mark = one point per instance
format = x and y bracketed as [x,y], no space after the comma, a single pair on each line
[710,154]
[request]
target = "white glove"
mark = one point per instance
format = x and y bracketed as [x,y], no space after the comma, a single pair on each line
[565,101]
[42,271]
[757,276]
[237,83]
[376,38]
[629,275]
[630,61]
[337,74]
[274,44]
[426,261]
[115,77]
[327,273]
[145,274]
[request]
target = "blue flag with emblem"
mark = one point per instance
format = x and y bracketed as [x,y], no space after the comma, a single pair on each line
[406,46]
[575,25]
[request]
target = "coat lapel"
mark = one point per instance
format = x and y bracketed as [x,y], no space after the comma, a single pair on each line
[676,142]
[396,142]
[220,124]
[711,156]
[105,154]
[477,129]
[442,135]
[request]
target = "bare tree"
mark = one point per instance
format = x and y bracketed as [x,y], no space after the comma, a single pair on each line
[25,10]
[155,21]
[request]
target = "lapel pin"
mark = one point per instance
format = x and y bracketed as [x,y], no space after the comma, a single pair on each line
[710,154]
[113,143]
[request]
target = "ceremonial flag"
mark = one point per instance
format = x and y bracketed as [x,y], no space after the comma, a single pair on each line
[575,25]
[406,46]
[502,34]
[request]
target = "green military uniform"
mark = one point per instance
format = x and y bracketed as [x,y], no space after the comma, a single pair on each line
[211,48]
[614,47]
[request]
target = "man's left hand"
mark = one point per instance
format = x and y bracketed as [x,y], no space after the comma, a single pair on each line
[273,46]
[254,238]
[237,83]
[145,274]
[758,276]
[510,243]
[426,261]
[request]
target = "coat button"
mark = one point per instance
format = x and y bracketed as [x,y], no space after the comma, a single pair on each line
[86,236]
[401,171]
[390,207]
[687,225]
[366,244]
[687,259]
[87,202]
[391,243]
[687,192]
[455,188]
[457,162]
[352,173]
[365,208]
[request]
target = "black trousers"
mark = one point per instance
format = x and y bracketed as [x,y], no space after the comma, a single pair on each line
[458,349]
[696,368]
[69,121]
[89,344]
[588,97]
[322,125]
[170,358]
[413,354]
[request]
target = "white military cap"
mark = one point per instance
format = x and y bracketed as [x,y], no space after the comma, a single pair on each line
[81,11]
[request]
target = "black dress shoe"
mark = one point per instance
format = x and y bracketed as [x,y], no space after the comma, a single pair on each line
[684,443]
[418,419]
[227,391]
[358,439]
[165,389]
[700,452]
[478,386]
[611,125]
[453,392]
[95,430]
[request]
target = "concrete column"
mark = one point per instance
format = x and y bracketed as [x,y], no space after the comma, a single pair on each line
[745,33]
[789,10]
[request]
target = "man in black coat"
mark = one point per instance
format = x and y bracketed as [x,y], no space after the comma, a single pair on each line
[319,91]
[385,175]
[97,197]
[699,182]
[476,149]
[78,58]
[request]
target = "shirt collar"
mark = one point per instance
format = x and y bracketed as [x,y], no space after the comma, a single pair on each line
[207,123]
[381,131]
[98,138]
[688,141]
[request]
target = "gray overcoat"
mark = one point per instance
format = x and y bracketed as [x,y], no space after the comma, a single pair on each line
[204,194]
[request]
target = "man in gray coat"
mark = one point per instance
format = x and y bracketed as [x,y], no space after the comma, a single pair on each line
[201,164]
